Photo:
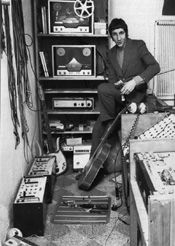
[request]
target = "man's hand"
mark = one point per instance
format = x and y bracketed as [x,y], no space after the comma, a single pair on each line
[119,84]
[128,87]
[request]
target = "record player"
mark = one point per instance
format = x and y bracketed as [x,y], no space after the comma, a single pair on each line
[65,16]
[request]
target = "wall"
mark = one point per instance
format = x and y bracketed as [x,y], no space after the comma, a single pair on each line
[14,163]
[140,17]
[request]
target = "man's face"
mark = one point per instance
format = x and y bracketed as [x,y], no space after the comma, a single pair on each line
[119,37]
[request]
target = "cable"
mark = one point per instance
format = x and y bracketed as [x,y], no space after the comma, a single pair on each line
[2,37]
[18,83]
[11,78]
[168,71]
[30,106]
[23,86]
[118,218]
[124,169]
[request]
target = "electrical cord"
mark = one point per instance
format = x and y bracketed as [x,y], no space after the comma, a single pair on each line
[118,218]
[21,59]
[124,171]
[18,83]
[11,77]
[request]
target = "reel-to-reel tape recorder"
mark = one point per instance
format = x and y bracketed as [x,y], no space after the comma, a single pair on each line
[75,60]
[66,16]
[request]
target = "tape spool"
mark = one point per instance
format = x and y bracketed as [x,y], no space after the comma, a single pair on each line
[57,6]
[61,51]
[12,232]
[84,8]
[86,52]
[10,242]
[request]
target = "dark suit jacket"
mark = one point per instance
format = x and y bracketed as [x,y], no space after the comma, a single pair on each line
[137,61]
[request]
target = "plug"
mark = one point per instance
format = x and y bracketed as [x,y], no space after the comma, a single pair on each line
[117,192]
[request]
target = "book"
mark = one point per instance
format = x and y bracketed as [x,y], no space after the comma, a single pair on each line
[44,20]
[44,64]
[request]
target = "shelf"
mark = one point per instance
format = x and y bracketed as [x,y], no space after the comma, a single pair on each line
[73,78]
[56,35]
[76,131]
[73,90]
[80,112]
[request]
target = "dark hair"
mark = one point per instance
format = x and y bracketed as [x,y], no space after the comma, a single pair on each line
[116,24]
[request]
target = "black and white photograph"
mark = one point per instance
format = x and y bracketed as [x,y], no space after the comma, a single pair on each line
[87,123]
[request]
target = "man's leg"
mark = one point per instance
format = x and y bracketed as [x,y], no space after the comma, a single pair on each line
[110,104]
[109,101]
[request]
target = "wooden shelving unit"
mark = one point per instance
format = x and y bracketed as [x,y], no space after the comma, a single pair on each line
[70,86]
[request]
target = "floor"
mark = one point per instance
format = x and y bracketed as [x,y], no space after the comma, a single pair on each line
[114,233]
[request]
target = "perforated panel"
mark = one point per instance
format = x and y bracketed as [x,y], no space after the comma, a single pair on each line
[164,129]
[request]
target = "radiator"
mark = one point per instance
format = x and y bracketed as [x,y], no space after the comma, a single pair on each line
[164,82]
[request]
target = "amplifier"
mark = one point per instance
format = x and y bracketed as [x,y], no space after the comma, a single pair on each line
[73,103]
[45,166]
[81,154]
[29,207]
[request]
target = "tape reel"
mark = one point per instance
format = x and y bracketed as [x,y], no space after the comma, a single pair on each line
[11,242]
[86,52]
[61,52]
[66,54]
[12,232]
[57,6]
[84,8]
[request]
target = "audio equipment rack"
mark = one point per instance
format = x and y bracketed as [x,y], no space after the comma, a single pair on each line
[50,32]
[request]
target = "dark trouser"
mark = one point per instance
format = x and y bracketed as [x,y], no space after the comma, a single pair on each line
[110,104]
[109,101]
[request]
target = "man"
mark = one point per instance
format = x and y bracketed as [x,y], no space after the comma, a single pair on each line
[130,66]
